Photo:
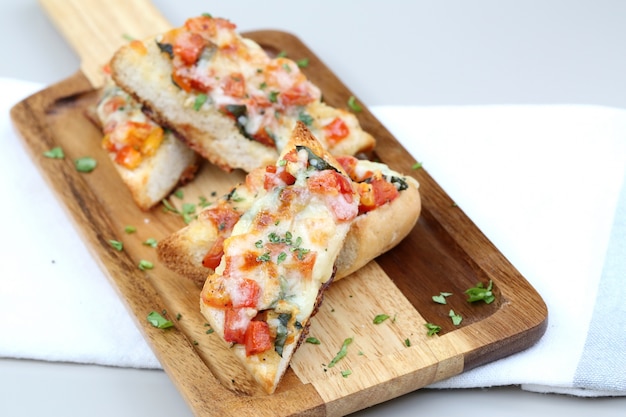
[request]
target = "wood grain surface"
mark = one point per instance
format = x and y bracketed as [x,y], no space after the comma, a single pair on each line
[444,253]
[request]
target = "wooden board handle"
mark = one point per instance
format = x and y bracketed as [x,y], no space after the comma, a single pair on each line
[96,28]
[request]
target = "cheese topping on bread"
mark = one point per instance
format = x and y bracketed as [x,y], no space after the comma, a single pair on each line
[206,69]
[149,159]
[279,259]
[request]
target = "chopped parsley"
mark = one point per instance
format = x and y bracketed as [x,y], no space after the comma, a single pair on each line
[354,105]
[380,318]
[303,63]
[152,242]
[416,166]
[407,342]
[433,329]
[441,298]
[85,164]
[200,100]
[116,244]
[55,153]
[456,318]
[312,340]
[130,229]
[346,373]
[273,96]
[479,292]
[159,321]
[145,265]
[342,352]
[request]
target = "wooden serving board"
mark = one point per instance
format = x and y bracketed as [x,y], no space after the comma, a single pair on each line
[444,253]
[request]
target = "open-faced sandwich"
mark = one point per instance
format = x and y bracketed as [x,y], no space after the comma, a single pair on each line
[225,97]
[280,257]
[150,160]
[389,208]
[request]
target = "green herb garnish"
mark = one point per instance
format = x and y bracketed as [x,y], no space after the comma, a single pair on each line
[346,373]
[130,229]
[273,97]
[303,63]
[342,352]
[116,244]
[312,340]
[433,329]
[380,318]
[152,242]
[416,166]
[159,321]
[200,100]
[354,105]
[441,298]
[85,164]
[407,342]
[479,292]
[456,319]
[144,265]
[55,153]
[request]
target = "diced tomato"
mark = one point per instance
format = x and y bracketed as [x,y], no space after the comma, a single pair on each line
[338,190]
[277,176]
[247,293]
[348,163]
[139,47]
[295,96]
[329,182]
[189,84]
[291,156]
[188,46]
[336,130]
[223,217]
[113,104]
[376,193]
[235,325]
[264,138]
[257,338]
[128,157]
[235,85]
[214,255]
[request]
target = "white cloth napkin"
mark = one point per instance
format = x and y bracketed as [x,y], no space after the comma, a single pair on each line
[542,182]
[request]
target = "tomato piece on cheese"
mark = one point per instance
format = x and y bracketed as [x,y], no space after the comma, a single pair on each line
[235,85]
[277,176]
[188,46]
[338,191]
[236,323]
[213,257]
[257,338]
[336,130]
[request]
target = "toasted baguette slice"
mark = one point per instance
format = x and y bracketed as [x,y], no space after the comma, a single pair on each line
[280,258]
[195,250]
[150,161]
[225,97]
